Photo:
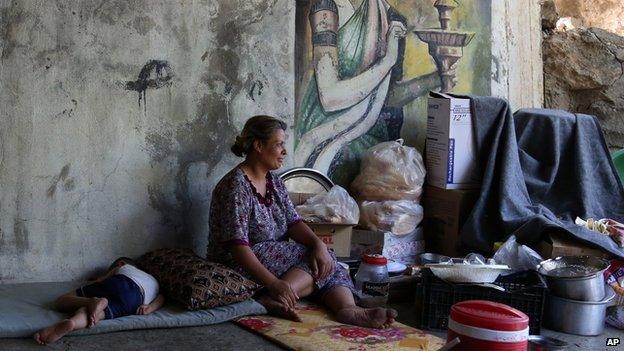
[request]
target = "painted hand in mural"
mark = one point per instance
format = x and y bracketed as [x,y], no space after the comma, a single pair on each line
[354,52]
[397,31]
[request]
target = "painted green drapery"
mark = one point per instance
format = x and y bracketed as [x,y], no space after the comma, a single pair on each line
[351,52]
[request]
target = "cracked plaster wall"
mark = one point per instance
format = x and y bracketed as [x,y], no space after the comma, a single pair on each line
[117,118]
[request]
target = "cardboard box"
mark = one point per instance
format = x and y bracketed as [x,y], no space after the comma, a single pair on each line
[450,152]
[335,236]
[560,244]
[400,248]
[445,212]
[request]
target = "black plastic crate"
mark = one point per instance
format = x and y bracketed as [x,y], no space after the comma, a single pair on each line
[434,298]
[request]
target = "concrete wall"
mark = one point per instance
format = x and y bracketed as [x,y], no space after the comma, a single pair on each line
[517,72]
[117,118]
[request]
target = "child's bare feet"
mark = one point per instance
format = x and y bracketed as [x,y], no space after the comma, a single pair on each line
[278,309]
[367,317]
[53,333]
[95,307]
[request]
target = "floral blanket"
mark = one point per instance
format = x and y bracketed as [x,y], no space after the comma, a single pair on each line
[318,331]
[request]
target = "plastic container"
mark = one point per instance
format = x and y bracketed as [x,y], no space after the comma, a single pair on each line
[487,325]
[434,298]
[372,281]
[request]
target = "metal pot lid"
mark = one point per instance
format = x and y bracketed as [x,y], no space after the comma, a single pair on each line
[550,343]
[306,180]
[609,295]
[572,267]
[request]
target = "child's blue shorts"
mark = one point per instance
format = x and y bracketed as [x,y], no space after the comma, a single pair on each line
[123,294]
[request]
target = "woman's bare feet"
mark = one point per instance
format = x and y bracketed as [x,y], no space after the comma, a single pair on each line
[53,333]
[278,309]
[367,317]
[96,307]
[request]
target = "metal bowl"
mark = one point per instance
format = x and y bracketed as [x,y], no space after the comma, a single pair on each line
[575,277]
[306,180]
[577,317]
[545,343]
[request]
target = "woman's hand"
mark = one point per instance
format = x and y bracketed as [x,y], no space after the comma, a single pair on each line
[321,262]
[396,31]
[281,291]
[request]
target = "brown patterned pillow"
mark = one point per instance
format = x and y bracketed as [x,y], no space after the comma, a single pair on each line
[195,282]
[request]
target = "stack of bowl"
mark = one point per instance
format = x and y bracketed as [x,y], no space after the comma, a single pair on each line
[578,296]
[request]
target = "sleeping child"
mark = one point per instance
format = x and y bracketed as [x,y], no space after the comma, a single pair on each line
[124,290]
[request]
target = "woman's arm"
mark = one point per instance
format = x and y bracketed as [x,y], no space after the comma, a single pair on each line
[279,289]
[321,261]
[302,234]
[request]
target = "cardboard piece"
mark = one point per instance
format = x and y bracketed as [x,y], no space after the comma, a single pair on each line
[335,236]
[450,153]
[445,212]
[559,244]
[400,248]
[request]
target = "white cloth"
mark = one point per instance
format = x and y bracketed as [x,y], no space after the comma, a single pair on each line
[145,281]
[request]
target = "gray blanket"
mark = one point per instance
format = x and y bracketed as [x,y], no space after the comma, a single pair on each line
[541,169]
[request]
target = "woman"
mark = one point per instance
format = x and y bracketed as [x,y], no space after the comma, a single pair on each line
[251,220]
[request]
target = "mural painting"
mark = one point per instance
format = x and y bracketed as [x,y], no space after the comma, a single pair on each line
[364,68]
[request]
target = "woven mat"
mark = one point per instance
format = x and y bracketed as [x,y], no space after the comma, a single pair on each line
[318,331]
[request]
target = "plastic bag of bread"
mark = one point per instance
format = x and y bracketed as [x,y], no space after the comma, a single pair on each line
[398,217]
[390,171]
[335,206]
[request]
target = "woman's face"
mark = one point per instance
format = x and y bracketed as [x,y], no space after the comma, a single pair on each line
[273,151]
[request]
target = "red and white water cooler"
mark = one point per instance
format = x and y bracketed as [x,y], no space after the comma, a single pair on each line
[486,325]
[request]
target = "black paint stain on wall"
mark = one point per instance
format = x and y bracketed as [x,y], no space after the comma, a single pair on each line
[207,138]
[20,231]
[159,145]
[69,183]
[69,112]
[155,74]
[256,90]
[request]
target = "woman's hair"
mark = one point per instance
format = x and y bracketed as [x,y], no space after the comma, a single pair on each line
[256,128]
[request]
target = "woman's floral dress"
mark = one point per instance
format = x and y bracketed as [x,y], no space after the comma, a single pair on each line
[241,216]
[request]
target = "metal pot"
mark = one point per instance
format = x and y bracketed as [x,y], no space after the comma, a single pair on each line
[575,277]
[577,317]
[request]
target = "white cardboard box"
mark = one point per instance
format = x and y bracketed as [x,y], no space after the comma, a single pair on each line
[450,147]
[400,248]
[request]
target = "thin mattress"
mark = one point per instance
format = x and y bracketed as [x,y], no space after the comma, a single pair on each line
[27,308]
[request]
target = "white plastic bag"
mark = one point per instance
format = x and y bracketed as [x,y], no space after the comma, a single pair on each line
[398,217]
[335,206]
[390,171]
[517,257]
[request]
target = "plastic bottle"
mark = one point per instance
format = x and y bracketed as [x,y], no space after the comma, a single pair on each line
[372,281]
